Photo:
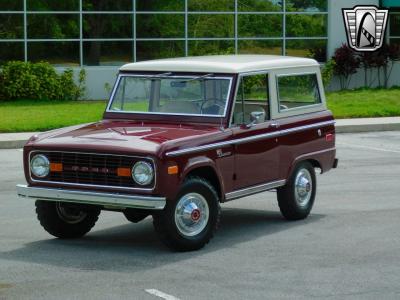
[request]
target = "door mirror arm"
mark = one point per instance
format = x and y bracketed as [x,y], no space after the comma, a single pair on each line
[254,118]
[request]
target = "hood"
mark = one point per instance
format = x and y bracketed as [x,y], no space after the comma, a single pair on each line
[119,136]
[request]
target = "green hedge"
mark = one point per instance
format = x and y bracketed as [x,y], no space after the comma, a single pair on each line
[25,80]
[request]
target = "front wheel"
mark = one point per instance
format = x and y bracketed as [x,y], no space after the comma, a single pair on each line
[189,221]
[65,220]
[296,198]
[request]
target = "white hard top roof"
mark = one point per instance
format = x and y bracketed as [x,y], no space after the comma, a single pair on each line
[220,63]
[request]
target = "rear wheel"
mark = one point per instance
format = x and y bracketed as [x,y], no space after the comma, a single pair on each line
[189,221]
[64,220]
[297,197]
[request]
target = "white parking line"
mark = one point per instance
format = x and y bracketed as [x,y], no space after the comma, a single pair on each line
[368,148]
[161,294]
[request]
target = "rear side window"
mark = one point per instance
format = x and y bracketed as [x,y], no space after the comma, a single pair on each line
[297,91]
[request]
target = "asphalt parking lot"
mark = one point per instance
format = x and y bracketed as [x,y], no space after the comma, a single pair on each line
[349,247]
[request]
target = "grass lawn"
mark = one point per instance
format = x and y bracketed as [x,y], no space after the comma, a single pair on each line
[34,115]
[26,115]
[365,103]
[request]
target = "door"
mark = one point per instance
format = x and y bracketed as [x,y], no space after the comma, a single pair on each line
[256,155]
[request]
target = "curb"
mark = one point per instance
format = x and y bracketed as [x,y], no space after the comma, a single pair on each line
[9,141]
[367,125]
[14,140]
[12,144]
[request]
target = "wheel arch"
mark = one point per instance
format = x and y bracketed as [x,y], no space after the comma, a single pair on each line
[314,162]
[205,168]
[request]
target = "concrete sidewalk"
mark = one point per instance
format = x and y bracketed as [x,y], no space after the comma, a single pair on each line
[17,140]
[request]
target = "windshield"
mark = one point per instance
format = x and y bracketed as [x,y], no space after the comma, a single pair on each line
[203,95]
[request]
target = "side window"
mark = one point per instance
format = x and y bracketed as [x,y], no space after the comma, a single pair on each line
[252,100]
[297,91]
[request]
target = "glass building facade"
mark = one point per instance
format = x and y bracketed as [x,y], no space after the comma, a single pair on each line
[394,27]
[111,33]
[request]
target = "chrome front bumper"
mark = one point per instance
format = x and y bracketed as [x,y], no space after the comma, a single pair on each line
[94,198]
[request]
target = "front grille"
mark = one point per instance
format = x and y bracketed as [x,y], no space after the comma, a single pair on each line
[91,169]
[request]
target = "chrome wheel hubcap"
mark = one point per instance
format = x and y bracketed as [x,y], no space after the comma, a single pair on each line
[70,215]
[303,187]
[191,214]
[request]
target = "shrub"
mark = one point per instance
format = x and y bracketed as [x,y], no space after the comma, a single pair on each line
[25,80]
[327,72]
[346,64]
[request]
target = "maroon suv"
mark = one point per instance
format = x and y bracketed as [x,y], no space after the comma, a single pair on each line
[179,137]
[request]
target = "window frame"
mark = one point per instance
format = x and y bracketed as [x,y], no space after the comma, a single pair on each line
[269,100]
[206,116]
[277,113]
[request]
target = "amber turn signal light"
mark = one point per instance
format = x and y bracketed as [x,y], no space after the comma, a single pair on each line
[124,172]
[172,170]
[56,167]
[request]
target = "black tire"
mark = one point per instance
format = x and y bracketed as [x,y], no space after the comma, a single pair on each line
[50,216]
[135,215]
[167,228]
[291,206]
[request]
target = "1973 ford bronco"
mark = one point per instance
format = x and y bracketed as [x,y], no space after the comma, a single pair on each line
[179,137]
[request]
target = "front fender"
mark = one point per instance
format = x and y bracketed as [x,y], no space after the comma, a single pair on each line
[200,162]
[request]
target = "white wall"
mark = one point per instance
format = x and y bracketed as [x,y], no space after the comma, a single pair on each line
[96,79]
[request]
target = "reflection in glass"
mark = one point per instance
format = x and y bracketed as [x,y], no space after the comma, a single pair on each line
[211,47]
[57,53]
[260,25]
[107,53]
[160,26]
[209,26]
[211,5]
[394,41]
[156,5]
[107,5]
[307,48]
[260,5]
[53,26]
[51,5]
[271,47]
[306,25]
[107,26]
[307,5]
[159,49]
[11,51]
[12,5]
[11,26]
[395,24]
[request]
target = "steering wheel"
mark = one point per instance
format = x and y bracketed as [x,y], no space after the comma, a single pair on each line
[216,102]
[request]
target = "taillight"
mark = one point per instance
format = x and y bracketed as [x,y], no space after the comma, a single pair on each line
[329,137]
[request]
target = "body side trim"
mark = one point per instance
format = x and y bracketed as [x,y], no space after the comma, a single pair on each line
[248,139]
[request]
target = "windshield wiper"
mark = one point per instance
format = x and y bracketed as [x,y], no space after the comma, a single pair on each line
[197,78]
[157,75]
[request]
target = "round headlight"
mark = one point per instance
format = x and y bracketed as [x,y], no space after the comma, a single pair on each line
[142,173]
[40,166]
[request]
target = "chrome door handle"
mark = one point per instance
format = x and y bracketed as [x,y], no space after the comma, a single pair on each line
[274,125]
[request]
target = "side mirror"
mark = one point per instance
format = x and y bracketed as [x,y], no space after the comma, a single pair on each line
[255,117]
